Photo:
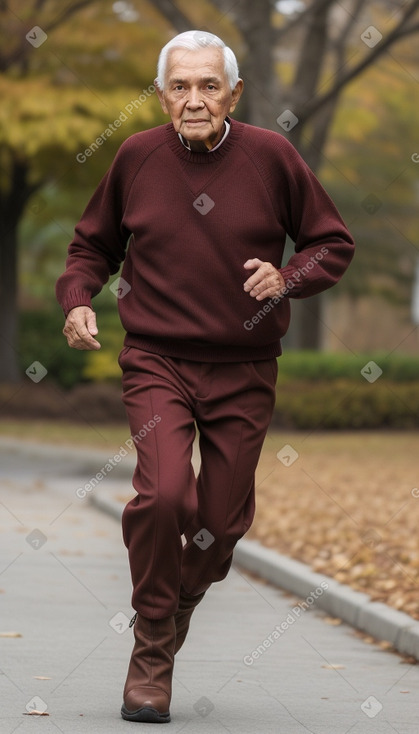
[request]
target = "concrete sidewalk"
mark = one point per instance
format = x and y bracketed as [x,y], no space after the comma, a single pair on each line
[254,660]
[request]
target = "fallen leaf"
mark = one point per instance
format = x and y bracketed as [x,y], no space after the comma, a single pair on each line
[370,640]
[41,677]
[385,645]
[36,713]
[333,534]
[10,634]
[334,667]
[334,621]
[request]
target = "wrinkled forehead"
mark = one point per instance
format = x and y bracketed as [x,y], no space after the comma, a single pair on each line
[188,65]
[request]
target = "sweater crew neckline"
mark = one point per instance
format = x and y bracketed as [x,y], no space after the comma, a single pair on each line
[180,150]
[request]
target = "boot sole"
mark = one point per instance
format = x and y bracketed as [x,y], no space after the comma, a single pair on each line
[146,715]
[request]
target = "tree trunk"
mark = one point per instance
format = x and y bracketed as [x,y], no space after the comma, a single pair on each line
[306,321]
[12,204]
[9,370]
[258,105]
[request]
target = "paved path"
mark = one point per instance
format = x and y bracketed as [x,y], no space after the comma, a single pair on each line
[65,588]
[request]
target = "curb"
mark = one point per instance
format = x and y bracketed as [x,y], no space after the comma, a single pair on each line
[353,607]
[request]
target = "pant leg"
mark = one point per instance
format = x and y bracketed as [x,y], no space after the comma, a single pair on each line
[233,417]
[166,501]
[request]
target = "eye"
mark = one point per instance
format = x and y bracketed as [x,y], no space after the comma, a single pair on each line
[178,87]
[211,87]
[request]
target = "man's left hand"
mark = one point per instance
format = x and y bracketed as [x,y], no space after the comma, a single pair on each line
[266,282]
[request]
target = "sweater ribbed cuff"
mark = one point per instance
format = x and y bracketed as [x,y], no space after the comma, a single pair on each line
[293,281]
[75,298]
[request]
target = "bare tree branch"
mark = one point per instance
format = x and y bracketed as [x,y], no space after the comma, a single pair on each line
[347,27]
[322,120]
[236,9]
[20,53]
[300,18]
[171,12]
[409,31]
[66,14]
[398,32]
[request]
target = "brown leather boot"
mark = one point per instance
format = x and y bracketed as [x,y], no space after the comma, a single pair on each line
[187,604]
[148,688]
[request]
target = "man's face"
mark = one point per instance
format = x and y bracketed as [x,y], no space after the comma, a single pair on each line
[197,95]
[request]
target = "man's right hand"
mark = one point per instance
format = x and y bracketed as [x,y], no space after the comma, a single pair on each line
[80,328]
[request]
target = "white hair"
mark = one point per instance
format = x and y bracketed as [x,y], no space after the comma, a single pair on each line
[193,41]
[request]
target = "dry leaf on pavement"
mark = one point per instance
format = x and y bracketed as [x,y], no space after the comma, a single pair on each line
[10,634]
[36,713]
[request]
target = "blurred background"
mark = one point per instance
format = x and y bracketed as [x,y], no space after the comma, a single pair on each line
[339,79]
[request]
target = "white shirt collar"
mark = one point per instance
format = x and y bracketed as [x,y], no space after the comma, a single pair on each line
[211,150]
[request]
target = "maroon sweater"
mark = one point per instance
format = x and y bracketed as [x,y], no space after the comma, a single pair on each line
[185,223]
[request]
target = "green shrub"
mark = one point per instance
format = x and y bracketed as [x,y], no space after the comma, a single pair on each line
[317,389]
[41,339]
[347,404]
[322,366]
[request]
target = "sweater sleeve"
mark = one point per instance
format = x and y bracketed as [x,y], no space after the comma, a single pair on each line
[100,237]
[323,245]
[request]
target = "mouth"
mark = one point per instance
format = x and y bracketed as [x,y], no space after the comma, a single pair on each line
[196,122]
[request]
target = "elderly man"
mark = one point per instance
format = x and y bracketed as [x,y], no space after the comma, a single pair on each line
[199,210]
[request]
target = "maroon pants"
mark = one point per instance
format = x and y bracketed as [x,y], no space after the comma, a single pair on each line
[231,404]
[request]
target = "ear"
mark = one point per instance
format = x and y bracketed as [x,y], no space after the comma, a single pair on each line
[160,95]
[236,94]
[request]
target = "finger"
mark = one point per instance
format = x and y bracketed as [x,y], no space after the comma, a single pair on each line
[270,286]
[78,336]
[84,347]
[84,341]
[254,279]
[252,263]
[264,271]
[83,344]
[91,323]
[266,293]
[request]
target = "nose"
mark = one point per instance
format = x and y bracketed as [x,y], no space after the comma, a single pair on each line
[195,101]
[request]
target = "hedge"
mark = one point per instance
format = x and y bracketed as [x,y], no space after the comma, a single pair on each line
[323,366]
[347,404]
[330,391]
